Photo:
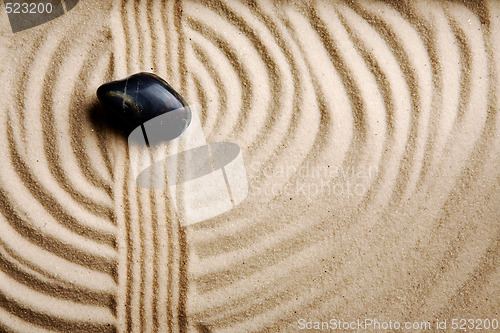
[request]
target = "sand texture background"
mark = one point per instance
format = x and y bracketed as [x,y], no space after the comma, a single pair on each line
[370,134]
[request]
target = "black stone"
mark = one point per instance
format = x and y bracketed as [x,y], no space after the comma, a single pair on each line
[144,96]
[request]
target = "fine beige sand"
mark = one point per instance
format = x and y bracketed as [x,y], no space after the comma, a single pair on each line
[370,135]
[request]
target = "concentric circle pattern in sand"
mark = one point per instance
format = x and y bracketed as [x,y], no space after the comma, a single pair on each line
[58,234]
[370,134]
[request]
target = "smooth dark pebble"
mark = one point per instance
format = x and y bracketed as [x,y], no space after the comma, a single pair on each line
[144,96]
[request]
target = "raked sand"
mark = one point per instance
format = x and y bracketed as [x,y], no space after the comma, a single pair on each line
[370,135]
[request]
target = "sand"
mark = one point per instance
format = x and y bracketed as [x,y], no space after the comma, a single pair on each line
[370,135]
